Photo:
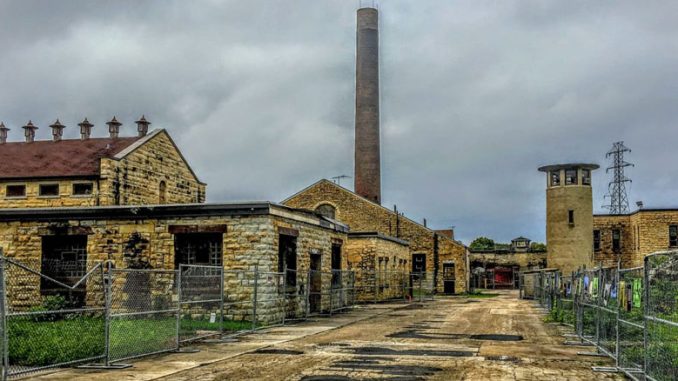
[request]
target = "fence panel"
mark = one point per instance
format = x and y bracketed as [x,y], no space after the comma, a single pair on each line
[661,310]
[201,302]
[52,320]
[144,312]
[245,293]
[631,328]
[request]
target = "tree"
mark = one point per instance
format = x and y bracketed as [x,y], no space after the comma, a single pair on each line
[482,243]
[537,247]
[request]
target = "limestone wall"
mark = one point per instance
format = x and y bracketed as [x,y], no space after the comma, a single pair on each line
[135,179]
[381,267]
[363,215]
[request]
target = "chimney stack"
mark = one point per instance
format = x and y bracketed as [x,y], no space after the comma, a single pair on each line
[29,132]
[114,128]
[142,126]
[3,133]
[367,152]
[85,129]
[57,130]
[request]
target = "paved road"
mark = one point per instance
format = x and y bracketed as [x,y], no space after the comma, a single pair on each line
[499,338]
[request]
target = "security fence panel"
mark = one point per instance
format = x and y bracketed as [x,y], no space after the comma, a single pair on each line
[54,312]
[607,312]
[631,326]
[245,292]
[144,312]
[342,290]
[201,302]
[296,293]
[565,300]
[661,316]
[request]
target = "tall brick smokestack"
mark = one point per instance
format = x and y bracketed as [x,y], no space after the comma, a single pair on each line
[367,156]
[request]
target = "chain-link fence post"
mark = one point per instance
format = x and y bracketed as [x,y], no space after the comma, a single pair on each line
[308,294]
[285,294]
[646,311]
[331,290]
[221,302]
[616,287]
[3,319]
[254,298]
[177,277]
[421,288]
[108,281]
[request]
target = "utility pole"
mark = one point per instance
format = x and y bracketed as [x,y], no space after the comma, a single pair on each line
[619,202]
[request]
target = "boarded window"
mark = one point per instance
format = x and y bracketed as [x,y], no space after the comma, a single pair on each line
[15,191]
[198,249]
[616,240]
[418,263]
[64,259]
[82,189]
[596,240]
[326,210]
[673,235]
[48,190]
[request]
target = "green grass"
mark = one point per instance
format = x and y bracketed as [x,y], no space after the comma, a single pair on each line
[40,343]
[476,294]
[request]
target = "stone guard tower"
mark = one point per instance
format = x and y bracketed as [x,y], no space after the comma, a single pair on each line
[569,216]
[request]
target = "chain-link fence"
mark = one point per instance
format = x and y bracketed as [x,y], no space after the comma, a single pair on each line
[629,315]
[56,313]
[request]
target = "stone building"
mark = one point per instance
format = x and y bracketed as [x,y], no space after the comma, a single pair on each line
[569,215]
[142,170]
[499,267]
[434,252]
[243,237]
[630,237]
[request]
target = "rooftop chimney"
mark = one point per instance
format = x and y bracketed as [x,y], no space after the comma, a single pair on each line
[3,133]
[114,127]
[57,130]
[29,131]
[142,126]
[85,129]
[367,156]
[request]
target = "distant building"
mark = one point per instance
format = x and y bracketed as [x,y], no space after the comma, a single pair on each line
[147,169]
[499,267]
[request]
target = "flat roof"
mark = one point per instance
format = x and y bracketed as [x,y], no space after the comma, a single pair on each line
[556,167]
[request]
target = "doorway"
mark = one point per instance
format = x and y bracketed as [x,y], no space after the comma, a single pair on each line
[449,278]
[315,286]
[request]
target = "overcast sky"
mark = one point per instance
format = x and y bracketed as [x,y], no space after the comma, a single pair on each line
[259,94]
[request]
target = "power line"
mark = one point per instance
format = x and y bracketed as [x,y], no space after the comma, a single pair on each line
[619,202]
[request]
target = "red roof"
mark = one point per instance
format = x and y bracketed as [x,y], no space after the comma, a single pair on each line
[65,158]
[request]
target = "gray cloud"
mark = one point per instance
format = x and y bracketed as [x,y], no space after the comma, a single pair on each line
[259,94]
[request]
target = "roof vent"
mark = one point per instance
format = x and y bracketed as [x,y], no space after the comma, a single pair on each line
[114,128]
[3,133]
[57,130]
[639,204]
[85,129]
[142,126]
[29,131]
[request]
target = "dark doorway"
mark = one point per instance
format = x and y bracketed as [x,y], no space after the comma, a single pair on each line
[64,259]
[336,266]
[198,249]
[449,278]
[315,287]
[287,258]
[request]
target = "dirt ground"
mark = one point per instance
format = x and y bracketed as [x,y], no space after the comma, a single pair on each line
[500,338]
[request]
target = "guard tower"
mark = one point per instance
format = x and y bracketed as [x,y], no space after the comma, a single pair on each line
[569,216]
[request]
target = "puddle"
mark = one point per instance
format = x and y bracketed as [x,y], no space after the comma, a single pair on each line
[415,334]
[497,337]
[274,351]
[502,358]
[395,370]
[408,352]
[326,378]
[333,345]
[413,307]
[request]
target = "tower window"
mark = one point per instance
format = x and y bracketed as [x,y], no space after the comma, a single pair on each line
[616,240]
[555,178]
[586,176]
[570,217]
[673,235]
[596,240]
[571,177]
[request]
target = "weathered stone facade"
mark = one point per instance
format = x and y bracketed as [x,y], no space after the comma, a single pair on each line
[363,215]
[642,232]
[381,265]
[250,241]
[148,172]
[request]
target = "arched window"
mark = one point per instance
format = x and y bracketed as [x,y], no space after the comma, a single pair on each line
[326,210]
[162,193]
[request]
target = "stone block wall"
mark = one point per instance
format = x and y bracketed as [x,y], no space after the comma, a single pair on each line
[135,179]
[34,200]
[363,215]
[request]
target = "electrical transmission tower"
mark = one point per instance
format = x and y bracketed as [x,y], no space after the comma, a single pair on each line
[619,202]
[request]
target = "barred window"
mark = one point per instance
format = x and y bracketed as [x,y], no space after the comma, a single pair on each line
[616,240]
[555,178]
[596,240]
[571,177]
[673,235]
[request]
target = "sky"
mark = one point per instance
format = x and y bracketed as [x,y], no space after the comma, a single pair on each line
[259,95]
